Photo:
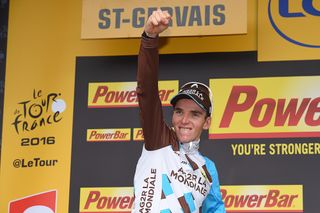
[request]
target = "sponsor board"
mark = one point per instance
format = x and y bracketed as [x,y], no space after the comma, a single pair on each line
[266,107]
[240,198]
[287,30]
[123,94]
[44,202]
[106,200]
[263,198]
[113,19]
[108,135]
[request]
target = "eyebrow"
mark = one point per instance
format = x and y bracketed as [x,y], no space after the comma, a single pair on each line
[192,111]
[197,112]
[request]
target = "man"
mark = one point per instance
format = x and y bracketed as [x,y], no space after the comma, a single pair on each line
[171,175]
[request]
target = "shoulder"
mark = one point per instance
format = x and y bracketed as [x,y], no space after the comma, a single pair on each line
[209,163]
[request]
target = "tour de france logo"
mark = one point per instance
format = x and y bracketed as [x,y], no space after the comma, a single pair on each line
[296,21]
[38,111]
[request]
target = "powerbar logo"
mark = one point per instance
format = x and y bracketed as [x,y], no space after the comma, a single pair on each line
[267,198]
[108,135]
[266,107]
[123,94]
[245,198]
[44,202]
[138,134]
[112,19]
[103,200]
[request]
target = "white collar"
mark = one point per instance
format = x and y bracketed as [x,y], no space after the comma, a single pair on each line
[190,147]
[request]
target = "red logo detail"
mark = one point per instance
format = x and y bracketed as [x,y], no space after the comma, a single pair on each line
[44,202]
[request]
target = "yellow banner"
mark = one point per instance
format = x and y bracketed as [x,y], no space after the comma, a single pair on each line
[266,107]
[35,149]
[108,199]
[288,30]
[114,19]
[123,94]
[108,135]
[263,198]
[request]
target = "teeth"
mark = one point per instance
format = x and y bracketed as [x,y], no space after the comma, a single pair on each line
[184,130]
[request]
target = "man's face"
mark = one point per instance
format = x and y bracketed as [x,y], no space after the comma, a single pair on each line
[189,120]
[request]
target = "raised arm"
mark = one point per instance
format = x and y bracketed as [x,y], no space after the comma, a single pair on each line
[151,116]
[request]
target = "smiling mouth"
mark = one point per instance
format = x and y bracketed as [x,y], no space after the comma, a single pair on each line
[185,130]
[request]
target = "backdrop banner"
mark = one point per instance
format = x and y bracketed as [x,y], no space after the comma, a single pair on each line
[262,165]
[71,135]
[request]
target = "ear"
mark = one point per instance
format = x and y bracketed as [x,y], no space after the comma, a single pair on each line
[207,123]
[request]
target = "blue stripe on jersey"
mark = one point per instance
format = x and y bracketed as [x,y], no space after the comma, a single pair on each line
[166,187]
[165,211]
[190,201]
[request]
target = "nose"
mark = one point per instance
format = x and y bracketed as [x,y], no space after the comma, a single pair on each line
[185,119]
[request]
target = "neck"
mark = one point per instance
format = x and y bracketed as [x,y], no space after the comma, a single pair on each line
[190,147]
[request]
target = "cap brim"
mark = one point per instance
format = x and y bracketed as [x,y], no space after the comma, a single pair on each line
[177,97]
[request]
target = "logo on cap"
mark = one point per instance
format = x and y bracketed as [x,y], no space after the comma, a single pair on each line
[193,92]
[194,85]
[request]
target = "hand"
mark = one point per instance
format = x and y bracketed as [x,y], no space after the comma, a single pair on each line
[157,22]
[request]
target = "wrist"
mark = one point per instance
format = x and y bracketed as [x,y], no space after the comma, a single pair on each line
[150,35]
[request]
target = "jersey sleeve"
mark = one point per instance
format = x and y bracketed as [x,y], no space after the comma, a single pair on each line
[213,202]
[156,133]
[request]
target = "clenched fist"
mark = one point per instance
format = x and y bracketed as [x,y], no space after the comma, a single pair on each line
[157,22]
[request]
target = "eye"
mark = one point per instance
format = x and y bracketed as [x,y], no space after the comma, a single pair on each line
[195,114]
[178,112]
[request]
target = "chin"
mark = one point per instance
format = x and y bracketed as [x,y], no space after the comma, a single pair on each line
[185,140]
